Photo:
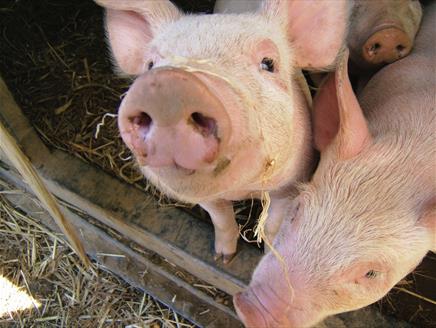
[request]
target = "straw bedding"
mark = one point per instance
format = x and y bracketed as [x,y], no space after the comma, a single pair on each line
[43,265]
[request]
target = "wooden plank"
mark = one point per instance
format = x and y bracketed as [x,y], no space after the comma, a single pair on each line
[136,268]
[170,232]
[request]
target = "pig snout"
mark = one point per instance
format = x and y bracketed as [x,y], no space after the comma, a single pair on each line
[170,118]
[386,45]
[249,310]
[260,307]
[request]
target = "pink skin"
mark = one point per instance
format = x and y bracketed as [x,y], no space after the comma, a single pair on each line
[217,112]
[368,216]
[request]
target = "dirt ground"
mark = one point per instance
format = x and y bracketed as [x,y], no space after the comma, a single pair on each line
[55,61]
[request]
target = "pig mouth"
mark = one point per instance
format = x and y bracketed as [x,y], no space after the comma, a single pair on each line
[183,170]
[221,165]
[141,161]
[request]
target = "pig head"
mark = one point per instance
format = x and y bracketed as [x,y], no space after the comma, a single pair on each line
[382,32]
[368,216]
[214,113]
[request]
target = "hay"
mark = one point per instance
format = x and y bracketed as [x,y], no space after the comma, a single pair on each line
[63,81]
[404,290]
[39,262]
[29,174]
[14,299]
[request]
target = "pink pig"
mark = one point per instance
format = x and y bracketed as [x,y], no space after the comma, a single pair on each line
[368,217]
[216,112]
[382,31]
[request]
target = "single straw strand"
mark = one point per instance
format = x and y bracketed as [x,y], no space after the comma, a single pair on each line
[20,161]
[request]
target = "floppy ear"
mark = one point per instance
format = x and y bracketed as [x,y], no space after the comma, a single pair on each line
[130,27]
[315,29]
[337,117]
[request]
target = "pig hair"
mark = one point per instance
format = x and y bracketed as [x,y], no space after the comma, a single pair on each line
[182,63]
[356,197]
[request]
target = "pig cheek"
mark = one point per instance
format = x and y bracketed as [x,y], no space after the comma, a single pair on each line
[282,85]
[346,297]
[359,291]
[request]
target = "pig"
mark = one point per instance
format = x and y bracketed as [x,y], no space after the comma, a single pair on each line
[382,32]
[215,113]
[368,216]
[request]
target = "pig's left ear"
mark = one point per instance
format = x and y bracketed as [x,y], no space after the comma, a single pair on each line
[315,29]
[130,27]
[338,120]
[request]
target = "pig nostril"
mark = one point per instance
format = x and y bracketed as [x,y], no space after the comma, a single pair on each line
[206,125]
[143,120]
[400,49]
[374,48]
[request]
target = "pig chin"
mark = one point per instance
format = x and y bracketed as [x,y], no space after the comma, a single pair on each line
[184,185]
[196,186]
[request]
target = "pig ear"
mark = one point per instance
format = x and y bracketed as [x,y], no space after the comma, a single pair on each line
[338,118]
[131,25]
[316,29]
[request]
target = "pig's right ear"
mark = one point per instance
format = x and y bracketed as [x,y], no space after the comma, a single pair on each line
[315,29]
[338,120]
[131,25]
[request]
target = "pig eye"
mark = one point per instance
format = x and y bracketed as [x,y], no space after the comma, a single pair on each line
[150,65]
[371,274]
[267,64]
